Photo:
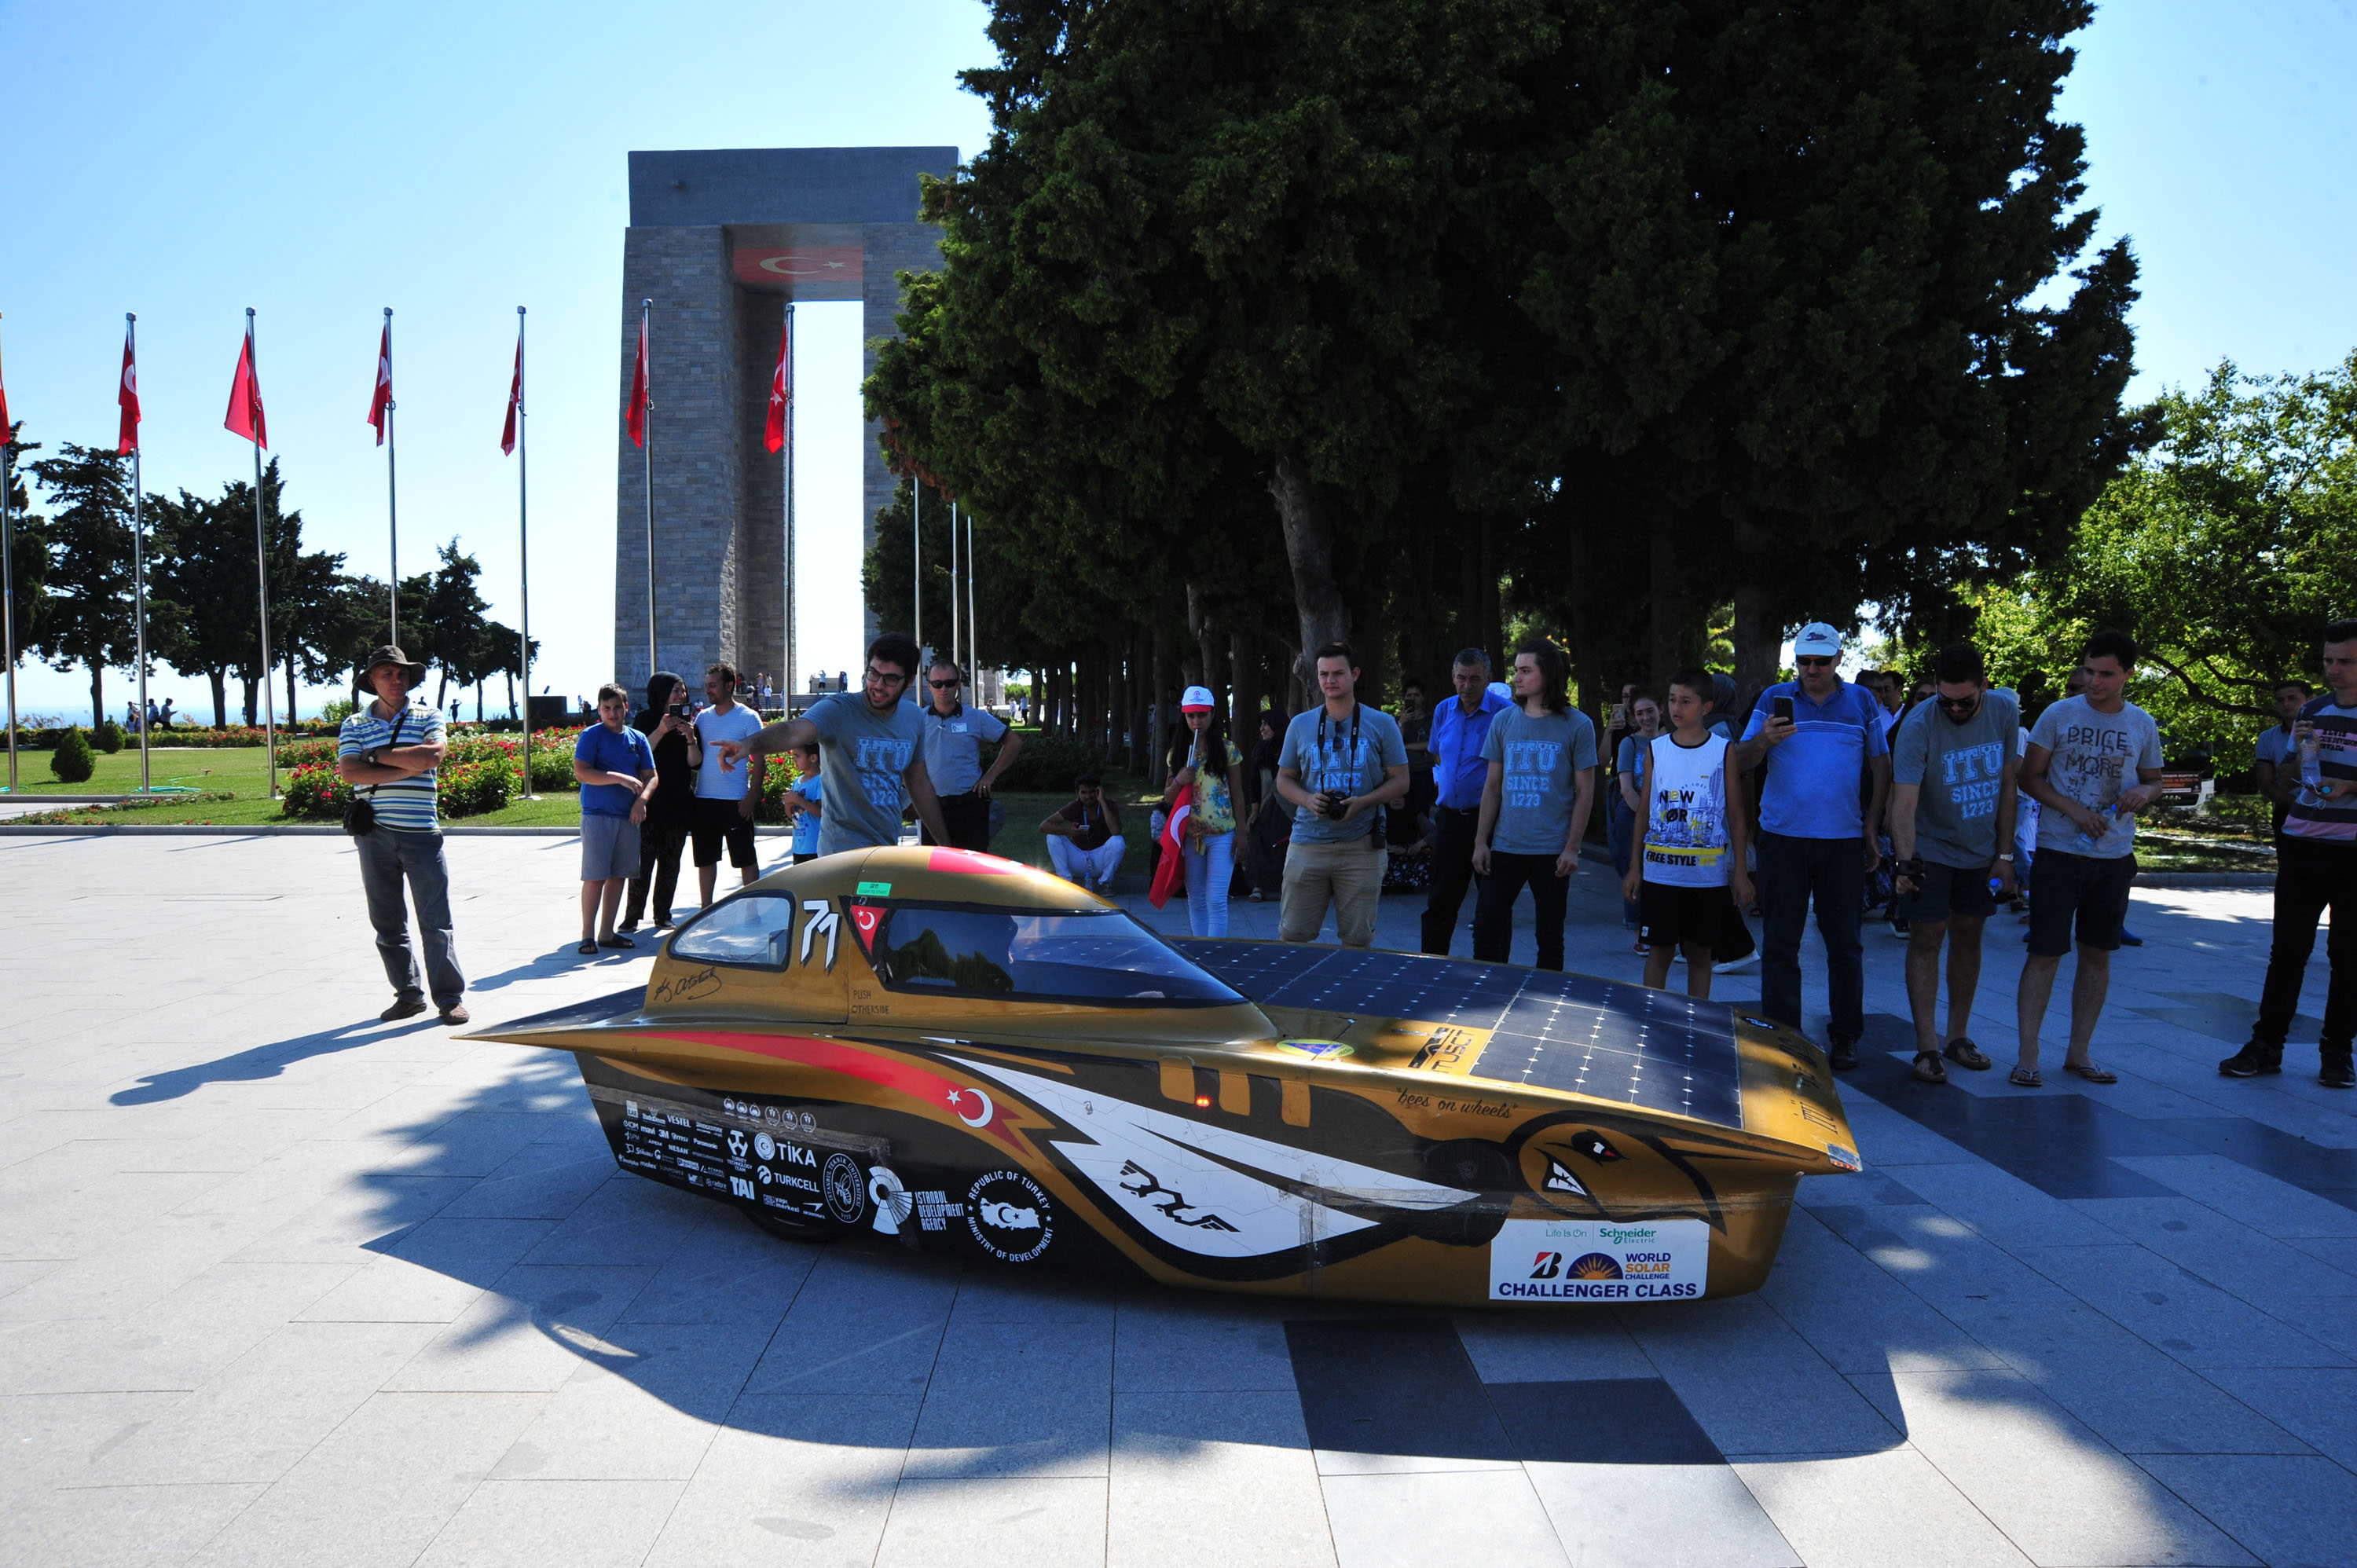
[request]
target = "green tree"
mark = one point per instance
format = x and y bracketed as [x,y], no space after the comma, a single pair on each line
[88,615]
[451,612]
[28,550]
[203,585]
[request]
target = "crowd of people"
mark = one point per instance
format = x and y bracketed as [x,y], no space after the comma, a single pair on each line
[1834,796]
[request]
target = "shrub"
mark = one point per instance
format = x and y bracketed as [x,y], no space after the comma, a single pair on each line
[107,738]
[313,789]
[1049,763]
[337,711]
[72,761]
[463,789]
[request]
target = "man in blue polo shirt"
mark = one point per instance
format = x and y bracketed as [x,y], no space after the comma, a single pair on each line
[1460,728]
[1817,842]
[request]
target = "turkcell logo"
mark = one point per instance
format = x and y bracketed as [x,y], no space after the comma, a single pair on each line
[1569,1261]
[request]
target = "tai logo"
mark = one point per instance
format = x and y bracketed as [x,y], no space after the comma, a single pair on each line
[738,1186]
[1546,1266]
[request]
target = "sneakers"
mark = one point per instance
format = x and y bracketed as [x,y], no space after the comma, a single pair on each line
[1731,965]
[1900,928]
[403,1008]
[2336,1072]
[2255,1059]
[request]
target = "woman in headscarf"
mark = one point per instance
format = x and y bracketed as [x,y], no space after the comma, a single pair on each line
[668,721]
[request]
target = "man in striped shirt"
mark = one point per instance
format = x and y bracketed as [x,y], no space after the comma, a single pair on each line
[2316,870]
[387,752]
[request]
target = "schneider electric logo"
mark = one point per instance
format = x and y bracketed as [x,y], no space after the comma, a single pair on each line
[1627,1232]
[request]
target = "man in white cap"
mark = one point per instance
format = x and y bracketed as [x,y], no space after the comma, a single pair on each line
[1821,736]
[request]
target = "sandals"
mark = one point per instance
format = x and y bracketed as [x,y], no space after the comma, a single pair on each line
[1965,1054]
[588,950]
[2025,1078]
[616,941]
[1927,1068]
[2091,1072]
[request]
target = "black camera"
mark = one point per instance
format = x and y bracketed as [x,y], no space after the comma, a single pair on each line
[679,710]
[1336,809]
[1911,869]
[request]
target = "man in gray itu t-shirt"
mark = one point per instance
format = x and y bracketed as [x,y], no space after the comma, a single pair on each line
[2093,763]
[868,751]
[1953,768]
[1542,782]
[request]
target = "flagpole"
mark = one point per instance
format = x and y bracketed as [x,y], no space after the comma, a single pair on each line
[391,506]
[262,571]
[956,619]
[523,564]
[138,569]
[789,703]
[917,559]
[646,308]
[8,586]
[973,616]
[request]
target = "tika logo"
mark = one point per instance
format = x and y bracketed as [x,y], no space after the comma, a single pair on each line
[1546,1266]
[740,1187]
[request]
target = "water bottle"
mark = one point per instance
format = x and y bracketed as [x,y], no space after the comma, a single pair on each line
[2084,842]
[2311,759]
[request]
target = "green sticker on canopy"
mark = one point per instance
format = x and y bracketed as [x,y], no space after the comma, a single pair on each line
[874,890]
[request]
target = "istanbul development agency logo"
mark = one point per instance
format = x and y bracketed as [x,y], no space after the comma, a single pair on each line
[1009,1216]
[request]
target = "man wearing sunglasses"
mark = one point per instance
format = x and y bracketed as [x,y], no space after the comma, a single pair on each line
[1952,804]
[1817,835]
[869,752]
[954,735]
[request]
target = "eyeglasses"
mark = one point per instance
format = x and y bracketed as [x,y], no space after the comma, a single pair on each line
[944,685]
[1959,704]
[885,678]
[1812,662]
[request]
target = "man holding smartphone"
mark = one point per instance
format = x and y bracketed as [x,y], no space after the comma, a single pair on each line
[1816,839]
[726,790]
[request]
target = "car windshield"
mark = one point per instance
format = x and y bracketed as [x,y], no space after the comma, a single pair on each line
[752,928]
[1016,955]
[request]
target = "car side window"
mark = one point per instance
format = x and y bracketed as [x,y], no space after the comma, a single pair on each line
[751,928]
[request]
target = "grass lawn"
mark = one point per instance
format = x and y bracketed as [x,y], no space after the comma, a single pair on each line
[2160,851]
[241,772]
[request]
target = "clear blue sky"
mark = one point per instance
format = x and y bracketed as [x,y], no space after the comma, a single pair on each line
[319,162]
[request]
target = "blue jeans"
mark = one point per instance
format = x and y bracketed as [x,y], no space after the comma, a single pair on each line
[1792,873]
[1620,834]
[1209,871]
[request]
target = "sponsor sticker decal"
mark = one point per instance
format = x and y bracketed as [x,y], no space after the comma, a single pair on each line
[1600,1259]
[891,1199]
[874,890]
[845,1188]
[1314,1047]
[1009,1216]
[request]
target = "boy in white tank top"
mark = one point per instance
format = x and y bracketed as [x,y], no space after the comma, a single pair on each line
[1696,828]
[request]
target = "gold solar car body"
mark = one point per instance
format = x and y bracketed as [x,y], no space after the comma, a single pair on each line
[953,1053]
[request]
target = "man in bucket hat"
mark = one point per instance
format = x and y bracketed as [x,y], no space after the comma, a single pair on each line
[387,752]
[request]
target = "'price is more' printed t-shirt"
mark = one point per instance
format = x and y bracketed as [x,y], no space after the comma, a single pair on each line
[863,761]
[1541,759]
[1958,771]
[2096,758]
[1340,758]
[2311,820]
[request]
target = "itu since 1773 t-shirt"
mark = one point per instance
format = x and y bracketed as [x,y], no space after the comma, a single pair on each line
[864,760]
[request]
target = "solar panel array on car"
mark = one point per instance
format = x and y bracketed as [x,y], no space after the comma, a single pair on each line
[1607,1039]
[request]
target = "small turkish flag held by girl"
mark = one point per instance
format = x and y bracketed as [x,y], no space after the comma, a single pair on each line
[637,411]
[1171,870]
[781,390]
[381,403]
[127,396]
[245,397]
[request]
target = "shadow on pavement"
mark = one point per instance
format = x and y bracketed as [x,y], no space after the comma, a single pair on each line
[265,1061]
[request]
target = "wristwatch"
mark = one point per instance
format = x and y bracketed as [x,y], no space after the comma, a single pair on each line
[2004,857]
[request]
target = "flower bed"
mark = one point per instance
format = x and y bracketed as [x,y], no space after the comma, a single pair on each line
[461,789]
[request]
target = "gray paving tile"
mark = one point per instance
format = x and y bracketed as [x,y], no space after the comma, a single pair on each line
[190,1335]
[1174,1340]
[2272,1208]
[2197,1237]
[51,1439]
[2170,1307]
[801,1479]
[1434,1517]
[2283,1509]
[2058,1492]
[1871,1510]
[2317,1405]
[1384,1395]
[600,1523]
[1014,1399]
[1854,1314]
[1537,1347]
[120,1527]
[864,1323]
[1634,1516]
[1213,1476]
[528,1334]
[998,1522]
[378,1488]
[1755,1385]
[2004,1209]
[726,1270]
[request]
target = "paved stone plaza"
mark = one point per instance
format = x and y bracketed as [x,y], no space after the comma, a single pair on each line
[279,1284]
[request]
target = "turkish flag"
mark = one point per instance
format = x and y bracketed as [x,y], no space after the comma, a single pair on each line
[7,431]
[515,400]
[245,397]
[380,405]
[781,390]
[127,396]
[636,416]
[1171,870]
